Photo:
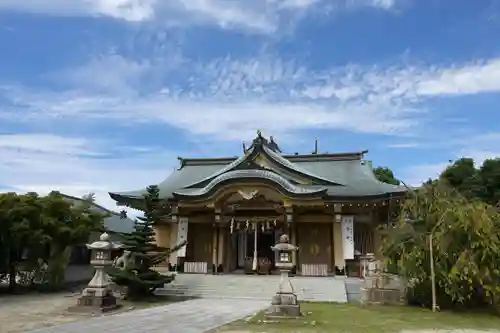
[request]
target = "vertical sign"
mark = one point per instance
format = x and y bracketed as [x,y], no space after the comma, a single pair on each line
[348,236]
[173,242]
[182,230]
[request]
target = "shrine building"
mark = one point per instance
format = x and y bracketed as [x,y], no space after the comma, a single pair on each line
[231,210]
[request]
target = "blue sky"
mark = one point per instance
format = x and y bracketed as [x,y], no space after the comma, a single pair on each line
[103,95]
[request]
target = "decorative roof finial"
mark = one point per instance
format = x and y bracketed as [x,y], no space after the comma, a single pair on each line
[259,133]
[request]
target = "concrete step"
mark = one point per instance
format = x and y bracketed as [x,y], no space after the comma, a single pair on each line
[325,289]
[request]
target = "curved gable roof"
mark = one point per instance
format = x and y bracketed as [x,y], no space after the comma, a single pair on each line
[275,178]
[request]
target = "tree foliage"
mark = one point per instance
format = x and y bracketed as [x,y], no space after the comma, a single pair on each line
[42,228]
[139,277]
[465,242]
[385,175]
[481,183]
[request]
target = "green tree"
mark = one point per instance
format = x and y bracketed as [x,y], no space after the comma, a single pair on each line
[65,225]
[19,229]
[385,175]
[463,176]
[475,183]
[33,227]
[489,175]
[139,277]
[465,242]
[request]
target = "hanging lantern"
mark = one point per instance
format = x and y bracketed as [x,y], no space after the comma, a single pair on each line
[231,227]
[274,222]
[268,226]
[247,224]
[262,227]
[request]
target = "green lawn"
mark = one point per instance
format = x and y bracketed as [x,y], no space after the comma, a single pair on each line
[347,318]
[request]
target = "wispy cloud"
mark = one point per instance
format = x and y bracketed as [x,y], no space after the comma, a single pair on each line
[129,10]
[262,16]
[77,166]
[403,145]
[225,98]
[479,77]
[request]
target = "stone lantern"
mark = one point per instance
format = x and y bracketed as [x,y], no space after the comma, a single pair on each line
[284,304]
[98,295]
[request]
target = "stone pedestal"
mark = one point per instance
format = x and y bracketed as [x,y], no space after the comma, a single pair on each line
[284,305]
[94,300]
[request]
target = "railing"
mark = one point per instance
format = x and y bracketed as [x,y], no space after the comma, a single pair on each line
[314,269]
[196,267]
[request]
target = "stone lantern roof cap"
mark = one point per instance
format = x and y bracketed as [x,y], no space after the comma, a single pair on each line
[104,244]
[284,247]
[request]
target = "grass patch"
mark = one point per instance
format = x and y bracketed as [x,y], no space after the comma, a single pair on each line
[329,317]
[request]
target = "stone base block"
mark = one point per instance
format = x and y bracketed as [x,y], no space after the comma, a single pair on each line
[95,304]
[283,312]
[382,296]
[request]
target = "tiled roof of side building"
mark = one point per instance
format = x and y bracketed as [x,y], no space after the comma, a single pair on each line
[113,222]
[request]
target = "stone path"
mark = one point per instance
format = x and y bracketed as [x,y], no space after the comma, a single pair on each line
[193,316]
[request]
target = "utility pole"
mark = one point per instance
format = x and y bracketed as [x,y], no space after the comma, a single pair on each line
[433,274]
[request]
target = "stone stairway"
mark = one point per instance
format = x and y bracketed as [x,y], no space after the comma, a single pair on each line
[315,289]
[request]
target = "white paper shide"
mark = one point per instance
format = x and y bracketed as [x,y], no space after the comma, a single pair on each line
[348,236]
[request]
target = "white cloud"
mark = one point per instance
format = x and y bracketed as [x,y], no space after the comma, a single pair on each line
[403,145]
[475,78]
[77,166]
[264,16]
[225,97]
[116,74]
[129,10]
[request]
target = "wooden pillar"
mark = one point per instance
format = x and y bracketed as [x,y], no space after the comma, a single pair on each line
[338,250]
[291,229]
[293,240]
[221,246]
[215,256]
[255,259]
[162,238]
[376,236]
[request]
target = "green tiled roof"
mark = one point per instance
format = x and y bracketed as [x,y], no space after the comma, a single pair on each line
[334,175]
[353,173]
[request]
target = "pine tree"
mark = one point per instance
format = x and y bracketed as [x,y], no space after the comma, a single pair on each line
[139,278]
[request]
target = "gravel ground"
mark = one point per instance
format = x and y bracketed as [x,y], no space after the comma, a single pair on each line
[26,312]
